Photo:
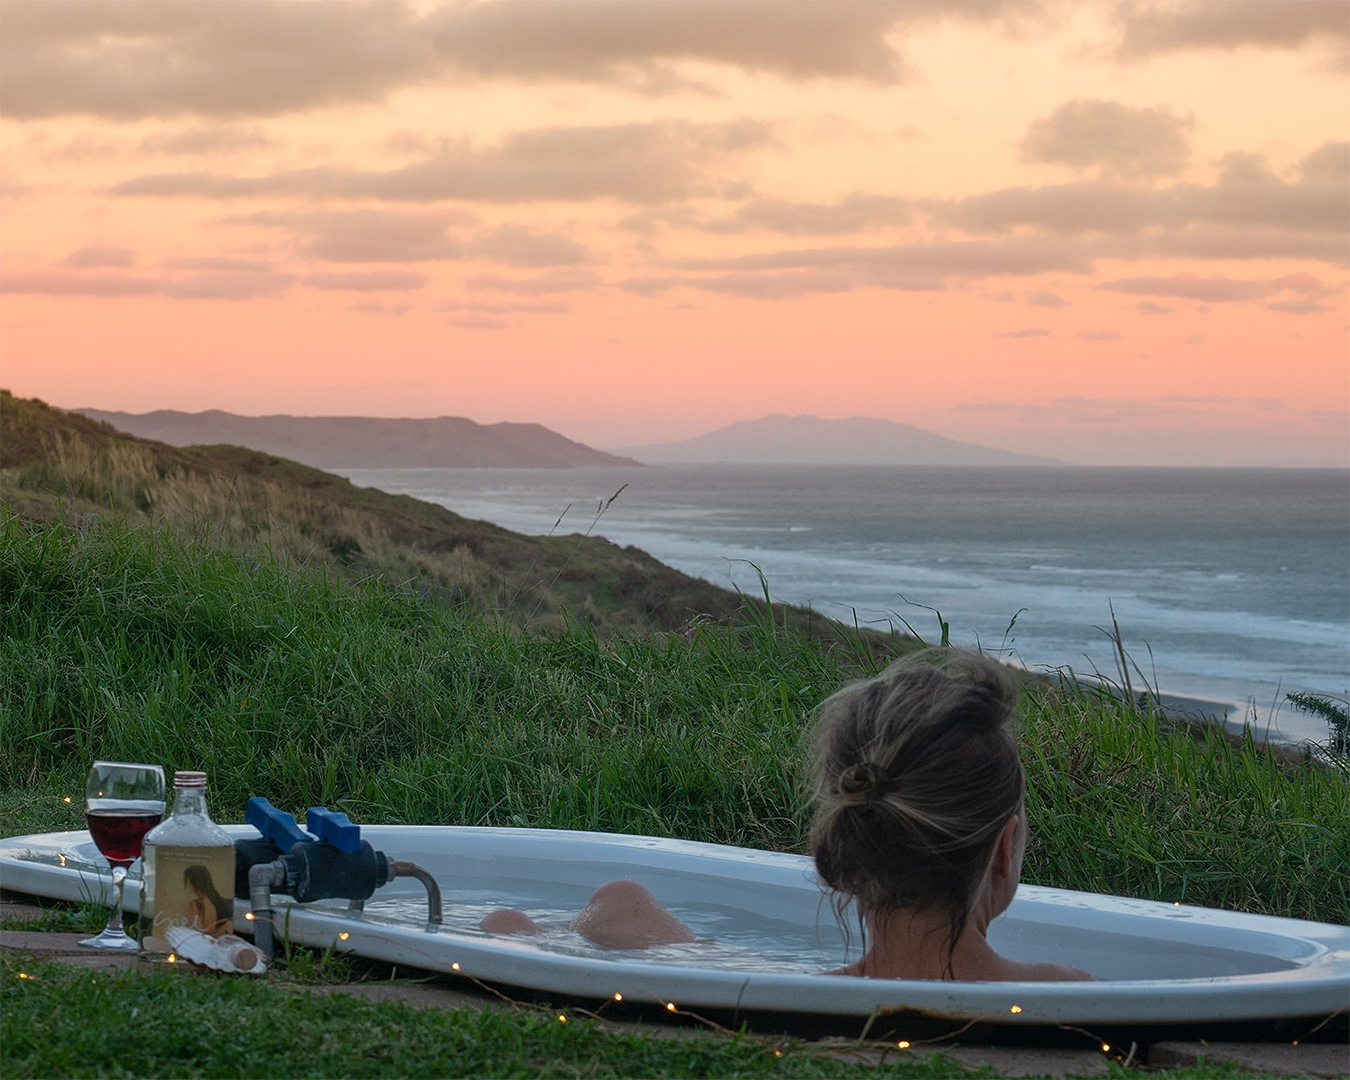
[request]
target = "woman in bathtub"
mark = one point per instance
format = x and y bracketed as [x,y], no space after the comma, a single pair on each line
[919,826]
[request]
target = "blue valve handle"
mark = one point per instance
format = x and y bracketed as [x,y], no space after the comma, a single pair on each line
[333,827]
[330,826]
[276,825]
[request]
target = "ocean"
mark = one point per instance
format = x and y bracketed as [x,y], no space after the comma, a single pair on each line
[1228,585]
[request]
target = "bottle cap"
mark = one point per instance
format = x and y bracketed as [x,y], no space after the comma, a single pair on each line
[185,778]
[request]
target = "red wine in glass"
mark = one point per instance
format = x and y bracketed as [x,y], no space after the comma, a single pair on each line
[122,802]
[118,831]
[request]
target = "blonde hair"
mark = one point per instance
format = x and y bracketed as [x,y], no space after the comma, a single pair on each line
[914,775]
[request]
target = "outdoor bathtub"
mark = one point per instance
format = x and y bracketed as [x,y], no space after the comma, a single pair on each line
[770,933]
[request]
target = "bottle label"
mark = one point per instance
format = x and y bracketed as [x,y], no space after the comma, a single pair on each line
[188,887]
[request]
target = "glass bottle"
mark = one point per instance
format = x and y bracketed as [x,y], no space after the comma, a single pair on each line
[189,870]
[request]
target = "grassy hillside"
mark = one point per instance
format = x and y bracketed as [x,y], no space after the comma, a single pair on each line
[57,464]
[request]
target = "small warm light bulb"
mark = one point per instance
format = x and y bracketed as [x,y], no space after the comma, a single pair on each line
[670,1006]
[173,958]
[67,799]
[248,917]
[343,936]
[1015,1009]
[1106,1048]
[903,1044]
[454,966]
[562,1019]
[618,997]
[24,974]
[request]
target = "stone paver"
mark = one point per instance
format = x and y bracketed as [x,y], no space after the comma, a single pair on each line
[1285,1059]
[13,906]
[64,947]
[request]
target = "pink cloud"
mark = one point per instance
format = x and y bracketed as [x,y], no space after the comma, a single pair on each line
[373,281]
[90,257]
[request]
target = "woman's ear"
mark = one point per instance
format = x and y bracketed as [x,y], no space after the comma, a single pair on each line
[1007,853]
[1006,871]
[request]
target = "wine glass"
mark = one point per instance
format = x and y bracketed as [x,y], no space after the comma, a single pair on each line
[122,802]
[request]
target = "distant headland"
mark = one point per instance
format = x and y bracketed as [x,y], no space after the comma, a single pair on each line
[366,442]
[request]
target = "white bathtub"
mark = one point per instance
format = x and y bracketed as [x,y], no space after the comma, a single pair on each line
[770,933]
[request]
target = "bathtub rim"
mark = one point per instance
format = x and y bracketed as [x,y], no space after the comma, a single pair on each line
[1316,984]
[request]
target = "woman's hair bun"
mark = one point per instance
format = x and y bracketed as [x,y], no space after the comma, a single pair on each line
[863,782]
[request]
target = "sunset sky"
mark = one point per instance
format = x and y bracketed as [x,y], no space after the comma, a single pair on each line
[1114,233]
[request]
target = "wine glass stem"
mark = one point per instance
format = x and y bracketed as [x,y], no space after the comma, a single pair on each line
[119,876]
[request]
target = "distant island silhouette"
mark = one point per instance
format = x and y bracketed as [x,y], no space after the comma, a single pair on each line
[809,440]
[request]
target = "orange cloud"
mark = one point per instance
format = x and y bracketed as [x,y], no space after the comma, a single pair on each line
[1123,141]
[1150,30]
[372,281]
[1218,289]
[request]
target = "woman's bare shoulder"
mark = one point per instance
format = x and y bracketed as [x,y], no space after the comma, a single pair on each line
[1028,972]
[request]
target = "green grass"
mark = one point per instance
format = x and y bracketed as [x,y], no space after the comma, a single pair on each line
[165,1023]
[1122,803]
[123,644]
[385,703]
[58,917]
[207,1027]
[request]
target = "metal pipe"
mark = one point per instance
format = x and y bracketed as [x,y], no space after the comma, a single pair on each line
[262,879]
[407,869]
